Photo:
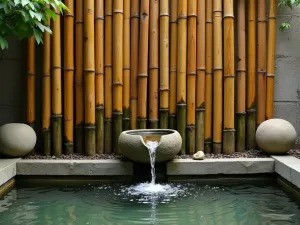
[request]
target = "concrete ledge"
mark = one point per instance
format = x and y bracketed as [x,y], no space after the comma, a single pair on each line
[7,169]
[74,167]
[289,168]
[220,166]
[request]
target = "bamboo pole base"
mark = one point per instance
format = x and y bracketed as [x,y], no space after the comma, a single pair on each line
[172,121]
[79,141]
[57,135]
[99,130]
[90,140]
[117,130]
[190,139]
[107,136]
[69,148]
[47,142]
[207,147]
[200,130]
[141,123]
[163,118]
[126,119]
[181,125]
[240,132]
[251,125]
[153,124]
[228,141]
[217,148]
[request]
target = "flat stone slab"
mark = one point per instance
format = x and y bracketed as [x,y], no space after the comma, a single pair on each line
[289,168]
[220,166]
[74,167]
[7,169]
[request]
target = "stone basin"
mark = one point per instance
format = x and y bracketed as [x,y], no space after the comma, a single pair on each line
[132,144]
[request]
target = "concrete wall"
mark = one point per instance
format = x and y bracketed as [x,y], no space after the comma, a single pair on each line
[287,80]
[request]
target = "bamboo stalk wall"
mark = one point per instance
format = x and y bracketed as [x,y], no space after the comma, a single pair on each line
[130,64]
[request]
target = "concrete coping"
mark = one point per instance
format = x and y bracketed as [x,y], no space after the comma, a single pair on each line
[7,169]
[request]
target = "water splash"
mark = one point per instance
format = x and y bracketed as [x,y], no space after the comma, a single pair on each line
[152,146]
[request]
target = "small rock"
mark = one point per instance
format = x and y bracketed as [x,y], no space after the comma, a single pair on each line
[199,155]
[53,157]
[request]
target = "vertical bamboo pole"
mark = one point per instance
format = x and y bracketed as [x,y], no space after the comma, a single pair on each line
[126,66]
[229,128]
[218,76]
[271,59]
[191,75]
[79,92]
[134,57]
[143,64]
[68,77]
[46,94]
[208,78]
[56,87]
[181,72]
[261,61]
[164,64]
[241,76]
[153,63]
[117,71]
[99,79]
[30,116]
[200,85]
[173,63]
[89,77]
[251,73]
[108,77]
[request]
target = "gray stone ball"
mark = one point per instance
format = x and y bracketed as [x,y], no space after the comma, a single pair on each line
[16,139]
[276,136]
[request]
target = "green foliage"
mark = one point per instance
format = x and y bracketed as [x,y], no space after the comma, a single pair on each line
[290,4]
[26,18]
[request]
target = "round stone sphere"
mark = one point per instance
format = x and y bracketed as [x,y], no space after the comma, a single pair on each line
[16,139]
[276,136]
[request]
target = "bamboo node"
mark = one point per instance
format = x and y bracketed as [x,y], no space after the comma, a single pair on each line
[207,142]
[191,73]
[153,120]
[172,115]
[126,68]
[251,110]
[191,15]
[201,69]
[30,74]
[241,70]
[99,73]
[164,14]
[208,74]
[190,127]
[173,70]
[270,75]
[181,105]
[100,107]
[164,89]
[108,14]
[228,76]
[142,75]
[200,110]
[240,113]
[117,83]
[69,144]
[218,69]
[56,116]
[228,130]
[108,65]
[89,70]
[69,15]
[99,18]
[68,119]
[46,130]
[78,21]
[118,12]
[216,10]
[141,119]
[182,17]
[78,83]
[107,120]
[126,118]
[173,21]
[56,67]
[163,110]
[153,67]
[228,16]
[69,69]
[117,113]
[262,20]
[208,21]
[90,127]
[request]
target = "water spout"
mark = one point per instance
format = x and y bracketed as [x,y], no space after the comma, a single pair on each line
[152,146]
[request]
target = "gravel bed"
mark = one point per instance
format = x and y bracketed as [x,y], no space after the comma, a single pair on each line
[247,154]
[295,153]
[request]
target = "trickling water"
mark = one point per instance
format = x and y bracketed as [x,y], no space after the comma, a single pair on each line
[152,146]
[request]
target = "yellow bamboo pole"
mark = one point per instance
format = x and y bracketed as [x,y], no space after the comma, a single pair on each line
[200,85]
[30,116]
[271,59]
[99,79]
[56,87]
[208,78]
[89,77]
[143,64]
[117,71]
[68,77]
[218,76]
[79,92]
[181,71]
[46,93]
[164,64]
[229,77]
[191,75]
[126,66]
[134,57]
[241,76]
[153,63]
[251,73]
[108,77]
[261,61]
[173,63]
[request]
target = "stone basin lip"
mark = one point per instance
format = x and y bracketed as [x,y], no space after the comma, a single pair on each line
[132,145]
